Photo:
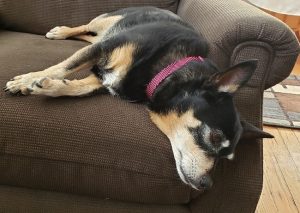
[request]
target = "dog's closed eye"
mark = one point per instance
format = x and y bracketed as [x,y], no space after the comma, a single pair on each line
[216,137]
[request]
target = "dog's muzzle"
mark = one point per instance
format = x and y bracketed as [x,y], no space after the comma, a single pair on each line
[205,182]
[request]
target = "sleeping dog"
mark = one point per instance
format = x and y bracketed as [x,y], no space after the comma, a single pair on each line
[152,56]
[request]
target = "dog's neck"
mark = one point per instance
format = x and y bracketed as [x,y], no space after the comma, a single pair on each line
[167,71]
[182,86]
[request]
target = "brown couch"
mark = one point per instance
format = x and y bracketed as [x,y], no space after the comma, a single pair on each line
[101,154]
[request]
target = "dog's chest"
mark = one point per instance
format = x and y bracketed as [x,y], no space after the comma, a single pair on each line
[111,81]
[130,86]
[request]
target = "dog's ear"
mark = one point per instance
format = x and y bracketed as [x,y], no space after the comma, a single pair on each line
[252,132]
[235,77]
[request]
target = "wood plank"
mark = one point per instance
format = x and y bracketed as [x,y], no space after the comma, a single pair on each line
[276,195]
[297,133]
[285,162]
[293,145]
[296,69]
[297,147]
[266,202]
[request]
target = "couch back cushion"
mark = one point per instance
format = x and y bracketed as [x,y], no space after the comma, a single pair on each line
[40,16]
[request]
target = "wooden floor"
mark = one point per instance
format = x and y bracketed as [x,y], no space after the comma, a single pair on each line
[296,69]
[281,189]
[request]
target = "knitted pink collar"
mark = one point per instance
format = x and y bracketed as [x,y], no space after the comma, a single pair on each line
[167,71]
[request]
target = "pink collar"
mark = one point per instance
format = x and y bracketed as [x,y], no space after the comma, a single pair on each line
[167,71]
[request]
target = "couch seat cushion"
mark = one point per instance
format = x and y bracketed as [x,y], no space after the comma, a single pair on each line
[99,145]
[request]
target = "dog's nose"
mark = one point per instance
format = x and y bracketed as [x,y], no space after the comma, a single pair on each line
[205,182]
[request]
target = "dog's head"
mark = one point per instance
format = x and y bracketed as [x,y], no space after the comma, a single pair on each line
[204,126]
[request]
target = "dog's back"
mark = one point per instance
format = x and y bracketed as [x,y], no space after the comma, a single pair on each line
[150,39]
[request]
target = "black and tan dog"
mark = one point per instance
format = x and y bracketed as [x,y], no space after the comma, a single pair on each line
[151,55]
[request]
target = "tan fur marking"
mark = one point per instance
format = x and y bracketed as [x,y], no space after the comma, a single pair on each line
[55,88]
[60,71]
[121,59]
[228,88]
[175,127]
[191,161]
[103,23]
[81,87]
[172,121]
[71,31]
[88,38]
[64,32]
[99,25]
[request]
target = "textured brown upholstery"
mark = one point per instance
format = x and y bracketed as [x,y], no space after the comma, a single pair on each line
[91,141]
[15,200]
[41,16]
[107,148]
[229,26]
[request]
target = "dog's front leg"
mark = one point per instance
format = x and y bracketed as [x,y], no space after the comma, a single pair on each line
[56,87]
[82,59]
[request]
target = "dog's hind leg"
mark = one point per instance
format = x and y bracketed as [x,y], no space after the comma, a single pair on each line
[84,58]
[88,38]
[64,32]
[91,32]
[55,87]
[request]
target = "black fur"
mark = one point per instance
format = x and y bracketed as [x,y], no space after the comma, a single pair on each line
[161,40]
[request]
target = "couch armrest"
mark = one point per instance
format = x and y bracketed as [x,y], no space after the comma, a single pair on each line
[227,24]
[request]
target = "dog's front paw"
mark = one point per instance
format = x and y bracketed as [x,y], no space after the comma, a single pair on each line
[19,85]
[58,33]
[26,84]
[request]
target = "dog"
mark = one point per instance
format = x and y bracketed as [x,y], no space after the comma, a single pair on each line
[151,55]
